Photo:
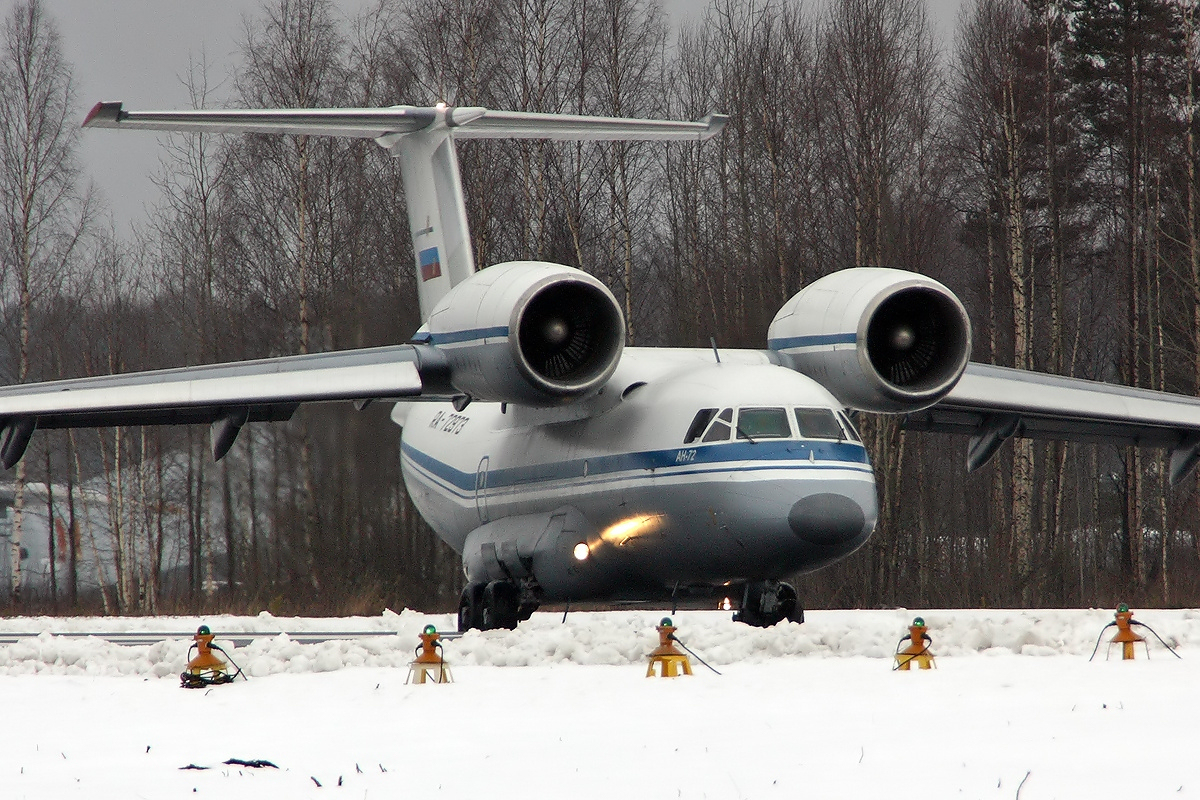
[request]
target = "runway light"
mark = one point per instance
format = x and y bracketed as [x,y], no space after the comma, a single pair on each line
[430,664]
[582,551]
[666,660]
[918,648]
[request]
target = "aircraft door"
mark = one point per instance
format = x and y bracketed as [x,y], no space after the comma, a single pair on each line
[481,489]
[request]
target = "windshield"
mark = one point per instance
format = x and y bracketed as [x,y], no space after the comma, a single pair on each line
[719,430]
[763,423]
[818,423]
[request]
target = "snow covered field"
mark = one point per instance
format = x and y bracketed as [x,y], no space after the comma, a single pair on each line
[563,710]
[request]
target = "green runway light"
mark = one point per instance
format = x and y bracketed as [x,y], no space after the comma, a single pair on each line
[203,631]
[920,621]
[430,630]
[666,623]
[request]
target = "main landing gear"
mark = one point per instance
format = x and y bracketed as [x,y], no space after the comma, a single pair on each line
[767,602]
[488,606]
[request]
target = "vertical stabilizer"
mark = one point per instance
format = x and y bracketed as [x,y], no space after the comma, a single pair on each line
[437,215]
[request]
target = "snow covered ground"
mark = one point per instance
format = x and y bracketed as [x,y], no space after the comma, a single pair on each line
[563,710]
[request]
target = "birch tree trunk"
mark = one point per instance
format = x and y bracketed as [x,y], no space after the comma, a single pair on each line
[39,208]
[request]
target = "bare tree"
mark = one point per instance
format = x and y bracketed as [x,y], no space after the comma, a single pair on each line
[42,214]
[292,59]
[186,233]
[879,80]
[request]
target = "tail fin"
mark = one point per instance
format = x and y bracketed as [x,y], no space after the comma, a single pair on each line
[437,215]
[423,140]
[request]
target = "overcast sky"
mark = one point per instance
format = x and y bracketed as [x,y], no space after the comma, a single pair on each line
[136,50]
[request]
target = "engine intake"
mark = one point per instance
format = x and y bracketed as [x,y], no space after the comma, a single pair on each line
[529,332]
[878,339]
[567,333]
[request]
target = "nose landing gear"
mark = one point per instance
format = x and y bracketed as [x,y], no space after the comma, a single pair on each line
[767,602]
[494,605]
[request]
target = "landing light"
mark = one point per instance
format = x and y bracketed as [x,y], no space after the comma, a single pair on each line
[631,528]
[726,605]
[582,551]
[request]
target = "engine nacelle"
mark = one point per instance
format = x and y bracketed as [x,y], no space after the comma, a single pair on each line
[529,332]
[878,339]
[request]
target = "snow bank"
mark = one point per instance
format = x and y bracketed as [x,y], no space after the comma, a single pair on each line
[588,638]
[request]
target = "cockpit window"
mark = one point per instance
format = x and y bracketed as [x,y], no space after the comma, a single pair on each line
[720,428]
[763,423]
[818,423]
[849,426]
[699,423]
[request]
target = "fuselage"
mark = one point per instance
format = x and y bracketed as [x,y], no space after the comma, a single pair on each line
[687,471]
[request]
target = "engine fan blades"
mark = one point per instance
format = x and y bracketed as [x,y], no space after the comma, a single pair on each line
[561,341]
[911,363]
[562,355]
[569,334]
[904,339]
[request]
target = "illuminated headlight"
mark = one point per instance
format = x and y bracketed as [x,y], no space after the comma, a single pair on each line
[582,551]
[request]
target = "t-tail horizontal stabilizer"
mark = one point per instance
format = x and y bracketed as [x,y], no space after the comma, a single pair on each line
[423,138]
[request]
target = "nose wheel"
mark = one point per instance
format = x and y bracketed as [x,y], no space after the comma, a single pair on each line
[491,606]
[767,602]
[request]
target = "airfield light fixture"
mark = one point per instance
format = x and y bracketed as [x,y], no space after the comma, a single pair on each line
[666,660]
[430,664]
[582,551]
[917,650]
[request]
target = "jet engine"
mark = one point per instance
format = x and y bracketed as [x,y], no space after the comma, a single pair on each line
[878,339]
[529,332]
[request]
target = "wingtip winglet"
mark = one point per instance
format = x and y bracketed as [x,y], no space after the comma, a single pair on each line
[714,123]
[103,115]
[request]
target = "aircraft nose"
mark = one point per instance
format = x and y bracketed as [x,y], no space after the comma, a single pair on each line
[826,518]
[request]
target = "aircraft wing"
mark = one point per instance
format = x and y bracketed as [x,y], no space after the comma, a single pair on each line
[226,395]
[991,404]
[464,122]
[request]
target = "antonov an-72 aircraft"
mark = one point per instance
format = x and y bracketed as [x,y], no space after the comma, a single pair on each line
[564,466]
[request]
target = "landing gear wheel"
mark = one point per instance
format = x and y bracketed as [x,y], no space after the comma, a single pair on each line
[470,607]
[501,601]
[767,602]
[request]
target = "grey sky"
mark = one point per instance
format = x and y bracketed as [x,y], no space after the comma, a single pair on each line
[136,51]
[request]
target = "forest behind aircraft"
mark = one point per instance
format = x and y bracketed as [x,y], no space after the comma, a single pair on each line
[550,339]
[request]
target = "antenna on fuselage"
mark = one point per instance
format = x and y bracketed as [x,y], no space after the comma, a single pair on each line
[713,341]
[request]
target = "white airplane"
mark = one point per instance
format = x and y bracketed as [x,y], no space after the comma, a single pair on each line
[566,467]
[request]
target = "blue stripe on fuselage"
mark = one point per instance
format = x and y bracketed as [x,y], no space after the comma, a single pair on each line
[457,337]
[699,459]
[821,340]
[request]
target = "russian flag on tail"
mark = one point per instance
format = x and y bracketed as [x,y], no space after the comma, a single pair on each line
[431,267]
